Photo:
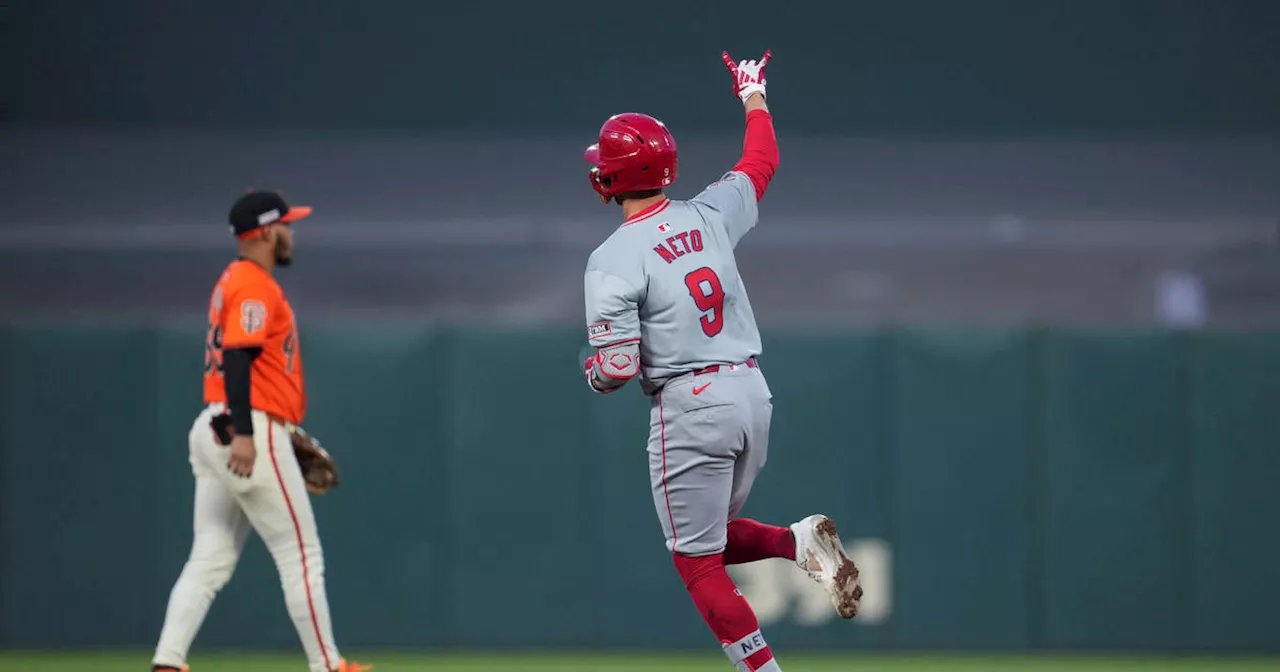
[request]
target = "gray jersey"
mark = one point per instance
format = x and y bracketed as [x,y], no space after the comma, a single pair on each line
[669,279]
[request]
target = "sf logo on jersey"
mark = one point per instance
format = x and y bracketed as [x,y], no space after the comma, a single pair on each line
[253,316]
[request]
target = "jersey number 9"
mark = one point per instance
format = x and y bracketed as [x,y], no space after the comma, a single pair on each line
[704,286]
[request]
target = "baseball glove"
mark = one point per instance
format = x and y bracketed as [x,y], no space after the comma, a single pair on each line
[318,467]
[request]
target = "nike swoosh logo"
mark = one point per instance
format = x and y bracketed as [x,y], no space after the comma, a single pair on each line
[699,389]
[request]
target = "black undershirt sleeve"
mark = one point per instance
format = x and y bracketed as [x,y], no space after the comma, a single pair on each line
[236,365]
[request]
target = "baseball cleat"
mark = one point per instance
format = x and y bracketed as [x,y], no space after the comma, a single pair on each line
[820,554]
[168,668]
[353,666]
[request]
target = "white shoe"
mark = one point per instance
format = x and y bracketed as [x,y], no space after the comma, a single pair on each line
[820,554]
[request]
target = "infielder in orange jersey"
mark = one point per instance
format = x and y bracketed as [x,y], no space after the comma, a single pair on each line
[246,475]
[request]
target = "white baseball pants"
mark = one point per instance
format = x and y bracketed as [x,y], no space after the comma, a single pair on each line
[274,502]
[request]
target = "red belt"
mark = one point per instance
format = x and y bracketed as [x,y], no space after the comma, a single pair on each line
[750,364]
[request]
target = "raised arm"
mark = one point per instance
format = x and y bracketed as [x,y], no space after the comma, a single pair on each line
[760,147]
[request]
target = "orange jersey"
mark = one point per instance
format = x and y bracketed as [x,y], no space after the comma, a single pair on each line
[248,309]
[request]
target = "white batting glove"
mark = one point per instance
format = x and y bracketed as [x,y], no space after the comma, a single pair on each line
[748,76]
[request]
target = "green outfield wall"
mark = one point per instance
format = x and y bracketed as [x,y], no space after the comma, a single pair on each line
[1004,490]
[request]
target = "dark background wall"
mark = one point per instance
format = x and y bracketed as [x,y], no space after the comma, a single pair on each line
[914,67]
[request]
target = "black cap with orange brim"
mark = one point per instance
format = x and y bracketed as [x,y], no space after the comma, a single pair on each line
[257,209]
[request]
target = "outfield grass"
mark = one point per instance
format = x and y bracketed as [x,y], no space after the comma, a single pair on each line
[389,662]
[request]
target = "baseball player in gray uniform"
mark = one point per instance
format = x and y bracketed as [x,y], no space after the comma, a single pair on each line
[665,304]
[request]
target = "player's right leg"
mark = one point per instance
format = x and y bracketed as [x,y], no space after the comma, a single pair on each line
[694,443]
[220,530]
[749,540]
[813,543]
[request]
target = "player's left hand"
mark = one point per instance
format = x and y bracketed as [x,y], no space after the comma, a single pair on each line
[748,76]
[319,469]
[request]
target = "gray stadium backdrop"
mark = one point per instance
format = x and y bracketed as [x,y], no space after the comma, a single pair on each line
[995,161]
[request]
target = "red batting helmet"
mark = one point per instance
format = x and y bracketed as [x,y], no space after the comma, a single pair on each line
[635,153]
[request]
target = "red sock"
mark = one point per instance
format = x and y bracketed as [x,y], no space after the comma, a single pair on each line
[750,541]
[724,609]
